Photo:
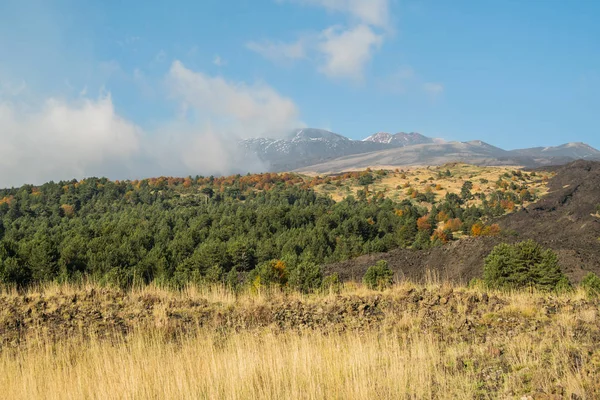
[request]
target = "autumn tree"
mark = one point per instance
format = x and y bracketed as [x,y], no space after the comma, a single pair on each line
[424,224]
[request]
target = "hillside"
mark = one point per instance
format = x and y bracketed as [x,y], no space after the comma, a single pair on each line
[180,230]
[437,181]
[565,220]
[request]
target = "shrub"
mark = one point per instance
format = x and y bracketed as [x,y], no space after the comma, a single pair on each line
[270,273]
[524,264]
[378,276]
[366,180]
[478,229]
[422,241]
[591,285]
[306,277]
[12,273]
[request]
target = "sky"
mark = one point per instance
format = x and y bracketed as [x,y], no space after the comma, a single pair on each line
[144,88]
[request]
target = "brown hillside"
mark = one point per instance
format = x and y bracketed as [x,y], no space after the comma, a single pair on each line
[563,220]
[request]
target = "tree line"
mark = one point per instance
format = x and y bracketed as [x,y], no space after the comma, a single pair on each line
[178,230]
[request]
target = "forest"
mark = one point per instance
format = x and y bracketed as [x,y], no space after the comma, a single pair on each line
[177,230]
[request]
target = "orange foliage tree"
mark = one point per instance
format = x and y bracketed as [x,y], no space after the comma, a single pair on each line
[423,223]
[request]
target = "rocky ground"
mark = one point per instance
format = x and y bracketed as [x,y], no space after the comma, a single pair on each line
[502,340]
[454,314]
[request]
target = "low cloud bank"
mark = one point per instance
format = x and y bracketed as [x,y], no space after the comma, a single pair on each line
[62,139]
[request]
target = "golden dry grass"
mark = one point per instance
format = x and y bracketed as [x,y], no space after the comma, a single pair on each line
[419,179]
[434,342]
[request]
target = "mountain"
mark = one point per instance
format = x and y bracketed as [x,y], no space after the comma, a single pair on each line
[576,150]
[320,151]
[475,152]
[399,139]
[303,147]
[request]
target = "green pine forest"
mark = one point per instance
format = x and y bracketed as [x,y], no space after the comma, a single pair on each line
[173,231]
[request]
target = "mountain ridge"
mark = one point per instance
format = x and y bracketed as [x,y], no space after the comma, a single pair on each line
[322,151]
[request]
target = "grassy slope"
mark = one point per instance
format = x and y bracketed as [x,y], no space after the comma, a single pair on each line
[418,178]
[433,341]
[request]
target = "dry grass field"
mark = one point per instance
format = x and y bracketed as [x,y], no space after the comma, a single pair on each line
[408,342]
[398,183]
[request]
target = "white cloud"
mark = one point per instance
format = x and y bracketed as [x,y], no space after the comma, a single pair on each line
[216,114]
[433,89]
[346,52]
[61,140]
[246,111]
[339,51]
[281,51]
[371,12]
[218,61]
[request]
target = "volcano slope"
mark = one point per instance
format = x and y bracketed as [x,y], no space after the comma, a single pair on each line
[564,220]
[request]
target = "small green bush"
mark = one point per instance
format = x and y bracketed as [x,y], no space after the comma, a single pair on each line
[268,274]
[525,264]
[11,272]
[306,277]
[366,180]
[591,285]
[378,276]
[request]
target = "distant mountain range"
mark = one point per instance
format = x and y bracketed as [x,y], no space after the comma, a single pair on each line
[321,151]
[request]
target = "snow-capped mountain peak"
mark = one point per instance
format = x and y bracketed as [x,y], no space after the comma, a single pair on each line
[380,137]
[399,139]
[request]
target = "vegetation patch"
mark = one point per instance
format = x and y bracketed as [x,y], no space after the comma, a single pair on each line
[174,231]
[272,344]
[525,264]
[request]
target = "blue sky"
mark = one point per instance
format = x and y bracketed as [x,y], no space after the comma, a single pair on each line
[153,87]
